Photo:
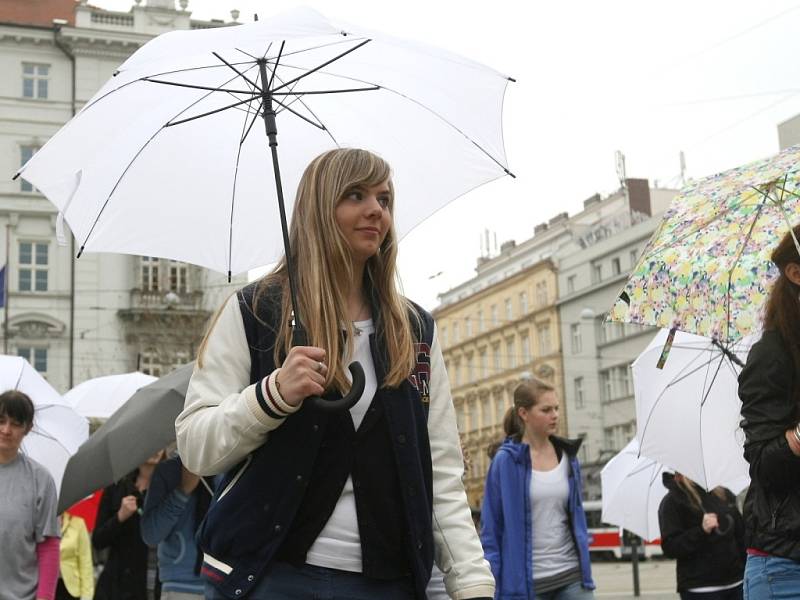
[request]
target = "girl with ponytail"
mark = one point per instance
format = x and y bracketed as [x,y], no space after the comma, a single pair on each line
[533,525]
[769,388]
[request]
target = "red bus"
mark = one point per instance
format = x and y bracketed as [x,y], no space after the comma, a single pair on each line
[606,541]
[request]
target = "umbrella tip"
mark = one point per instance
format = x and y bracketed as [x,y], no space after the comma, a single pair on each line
[509,173]
[255,16]
[229,276]
[14,178]
[80,252]
[511,79]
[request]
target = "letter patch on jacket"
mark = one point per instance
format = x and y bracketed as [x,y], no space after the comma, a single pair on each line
[420,377]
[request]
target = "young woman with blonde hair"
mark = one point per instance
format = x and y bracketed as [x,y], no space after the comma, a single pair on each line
[350,504]
[534,529]
[705,533]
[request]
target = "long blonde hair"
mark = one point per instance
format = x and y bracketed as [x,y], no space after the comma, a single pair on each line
[688,487]
[324,265]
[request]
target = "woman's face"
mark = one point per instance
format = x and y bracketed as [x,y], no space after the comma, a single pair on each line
[11,434]
[541,419]
[364,219]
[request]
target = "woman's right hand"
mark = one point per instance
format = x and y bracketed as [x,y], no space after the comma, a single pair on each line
[302,374]
[127,508]
[710,522]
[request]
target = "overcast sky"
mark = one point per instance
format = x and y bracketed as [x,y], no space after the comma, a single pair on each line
[711,78]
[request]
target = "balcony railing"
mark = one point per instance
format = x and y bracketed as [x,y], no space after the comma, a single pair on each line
[158,300]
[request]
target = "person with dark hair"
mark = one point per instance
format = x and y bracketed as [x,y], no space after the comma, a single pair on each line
[129,572]
[769,388]
[350,504]
[29,531]
[176,503]
[704,531]
[533,527]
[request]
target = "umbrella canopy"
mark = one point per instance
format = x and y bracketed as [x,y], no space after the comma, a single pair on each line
[687,413]
[141,426]
[58,430]
[102,396]
[706,269]
[175,133]
[632,490]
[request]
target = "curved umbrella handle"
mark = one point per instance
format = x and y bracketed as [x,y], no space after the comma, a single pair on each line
[350,399]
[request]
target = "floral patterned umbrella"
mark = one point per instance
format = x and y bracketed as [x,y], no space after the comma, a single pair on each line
[706,270]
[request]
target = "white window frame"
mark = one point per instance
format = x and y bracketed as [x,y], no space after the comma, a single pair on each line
[35,270]
[150,364]
[149,274]
[26,152]
[39,81]
[35,355]
[178,277]
[580,397]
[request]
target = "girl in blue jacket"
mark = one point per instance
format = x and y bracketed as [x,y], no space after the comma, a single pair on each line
[533,526]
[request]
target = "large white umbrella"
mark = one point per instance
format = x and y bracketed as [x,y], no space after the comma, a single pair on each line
[687,413]
[140,149]
[58,430]
[102,396]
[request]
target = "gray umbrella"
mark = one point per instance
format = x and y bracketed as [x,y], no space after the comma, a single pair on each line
[139,428]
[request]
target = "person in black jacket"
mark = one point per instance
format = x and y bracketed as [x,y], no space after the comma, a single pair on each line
[769,388]
[125,573]
[704,531]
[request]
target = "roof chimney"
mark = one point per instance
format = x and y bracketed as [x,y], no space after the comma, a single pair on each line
[639,196]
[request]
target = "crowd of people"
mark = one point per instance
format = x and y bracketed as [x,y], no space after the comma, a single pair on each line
[290,500]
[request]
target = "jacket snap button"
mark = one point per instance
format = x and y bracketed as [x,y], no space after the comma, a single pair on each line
[250,578]
[237,592]
[315,427]
[401,438]
[277,527]
[299,478]
[265,507]
[419,545]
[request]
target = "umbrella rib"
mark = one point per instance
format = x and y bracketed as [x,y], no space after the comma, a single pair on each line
[323,65]
[313,114]
[424,107]
[195,87]
[249,127]
[211,112]
[275,66]
[298,115]
[736,262]
[248,54]
[345,40]
[239,73]
[700,422]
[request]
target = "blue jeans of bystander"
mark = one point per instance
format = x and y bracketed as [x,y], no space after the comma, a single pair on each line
[771,578]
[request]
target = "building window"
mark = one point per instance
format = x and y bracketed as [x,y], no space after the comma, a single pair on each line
[583,453]
[457,372]
[570,284]
[149,273]
[615,383]
[575,337]
[455,333]
[486,412]
[480,320]
[606,386]
[178,277]
[180,358]
[34,80]
[526,348]
[497,365]
[460,418]
[634,256]
[484,362]
[25,154]
[149,364]
[597,273]
[541,293]
[472,416]
[511,353]
[467,327]
[580,401]
[509,310]
[470,369]
[36,356]
[523,303]
[494,315]
[615,266]
[545,344]
[33,263]
[501,408]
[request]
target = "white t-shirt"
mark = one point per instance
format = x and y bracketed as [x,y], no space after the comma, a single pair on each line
[553,546]
[338,545]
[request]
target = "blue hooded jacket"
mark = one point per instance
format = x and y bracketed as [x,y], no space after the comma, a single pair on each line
[507,544]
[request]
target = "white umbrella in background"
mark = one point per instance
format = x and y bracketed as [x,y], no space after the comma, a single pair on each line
[102,396]
[687,413]
[632,491]
[57,429]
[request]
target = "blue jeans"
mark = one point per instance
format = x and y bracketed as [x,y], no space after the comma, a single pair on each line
[282,581]
[573,591]
[771,578]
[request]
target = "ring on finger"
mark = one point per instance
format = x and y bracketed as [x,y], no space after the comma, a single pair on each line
[320,366]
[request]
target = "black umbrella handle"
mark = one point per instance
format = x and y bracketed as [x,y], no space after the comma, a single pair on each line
[348,400]
[300,338]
